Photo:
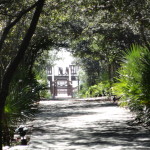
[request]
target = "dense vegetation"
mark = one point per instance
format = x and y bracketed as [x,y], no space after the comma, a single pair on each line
[99,33]
[134,83]
[18,86]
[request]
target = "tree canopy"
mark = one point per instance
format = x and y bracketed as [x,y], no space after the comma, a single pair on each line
[97,32]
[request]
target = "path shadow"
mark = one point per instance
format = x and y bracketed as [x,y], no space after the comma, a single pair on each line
[52,132]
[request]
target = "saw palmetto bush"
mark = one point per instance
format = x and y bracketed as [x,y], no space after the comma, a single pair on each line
[134,82]
[21,102]
[100,89]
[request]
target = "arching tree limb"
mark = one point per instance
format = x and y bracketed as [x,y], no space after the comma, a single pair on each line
[10,70]
[13,23]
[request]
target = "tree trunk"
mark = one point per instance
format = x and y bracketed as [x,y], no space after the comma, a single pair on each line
[110,76]
[10,70]
[143,34]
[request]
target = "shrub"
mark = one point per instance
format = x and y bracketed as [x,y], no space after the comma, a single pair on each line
[134,82]
[20,104]
[101,89]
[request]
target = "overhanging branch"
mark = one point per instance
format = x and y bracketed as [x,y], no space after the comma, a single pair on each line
[13,23]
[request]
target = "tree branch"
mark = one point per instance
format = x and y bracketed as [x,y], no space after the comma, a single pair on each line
[144,37]
[9,72]
[12,24]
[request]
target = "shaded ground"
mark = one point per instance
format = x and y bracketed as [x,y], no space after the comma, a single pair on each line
[85,125]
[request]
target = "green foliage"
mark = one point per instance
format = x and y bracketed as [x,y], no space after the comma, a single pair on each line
[101,89]
[23,94]
[99,30]
[134,82]
[21,103]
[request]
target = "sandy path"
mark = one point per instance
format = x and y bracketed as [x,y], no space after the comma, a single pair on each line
[84,125]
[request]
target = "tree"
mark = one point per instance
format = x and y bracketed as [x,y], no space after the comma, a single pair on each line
[10,70]
[109,28]
[97,30]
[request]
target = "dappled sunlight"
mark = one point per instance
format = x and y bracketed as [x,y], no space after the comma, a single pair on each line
[73,125]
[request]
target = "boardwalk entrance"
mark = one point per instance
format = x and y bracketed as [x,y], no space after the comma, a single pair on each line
[63,83]
[62,87]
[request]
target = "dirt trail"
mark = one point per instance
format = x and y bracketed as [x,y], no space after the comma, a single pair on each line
[86,125]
